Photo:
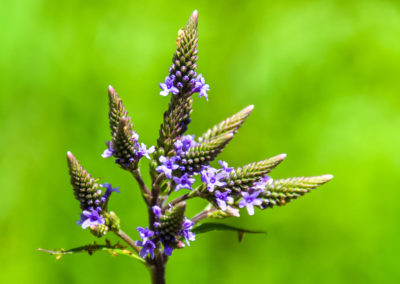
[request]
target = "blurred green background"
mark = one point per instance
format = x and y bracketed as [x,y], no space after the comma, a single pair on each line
[324,77]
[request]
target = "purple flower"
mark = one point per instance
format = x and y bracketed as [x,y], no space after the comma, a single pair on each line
[201,87]
[156,210]
[184,182]
[167,166]
[167,249]
[222,198]
[250,200]
[109,151]
[168,86]
[147,244]
[143,151]
[186,142]
[260,185]
[186,233]
[225,167]
[148,247]
[109,190]
[178,146]
[212,177]
[145,233]
[91,218]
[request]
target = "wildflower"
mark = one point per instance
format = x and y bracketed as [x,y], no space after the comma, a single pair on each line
[109,151]
[212,178]
[91,218]
[147,244]
[183,144]
[109,190]
[222,198]
[186,233]
[184,182]
[260,185]
[201,87]
[225,167]
[250,200]
[143,151]
[167,166]
[156,210]
[168,86]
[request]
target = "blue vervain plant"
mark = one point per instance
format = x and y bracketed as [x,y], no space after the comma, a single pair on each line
[175,164]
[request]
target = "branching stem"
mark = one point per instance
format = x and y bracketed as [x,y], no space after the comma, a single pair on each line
[143,187]
[203,214]
[128,240]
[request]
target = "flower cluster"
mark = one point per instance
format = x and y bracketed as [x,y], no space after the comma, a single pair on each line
[173,85]
[140,151]
[183,172]
[92,217]
[150,237]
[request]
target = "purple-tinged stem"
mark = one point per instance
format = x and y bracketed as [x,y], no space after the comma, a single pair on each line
[157,270]
[128,240]
[202,215]
[143,187]
[186,196]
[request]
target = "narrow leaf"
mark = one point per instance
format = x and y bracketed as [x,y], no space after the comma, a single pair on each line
[208,227]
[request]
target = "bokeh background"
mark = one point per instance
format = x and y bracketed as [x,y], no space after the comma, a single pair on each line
[324,77]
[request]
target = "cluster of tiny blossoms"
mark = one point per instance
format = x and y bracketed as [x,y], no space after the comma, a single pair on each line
[198,85]
[174,168]
[183,176]
[141,151]
[92,216]
[150,238]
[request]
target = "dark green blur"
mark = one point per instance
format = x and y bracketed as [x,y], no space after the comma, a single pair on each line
[324,77]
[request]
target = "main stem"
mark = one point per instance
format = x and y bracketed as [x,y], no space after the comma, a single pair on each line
[157,270]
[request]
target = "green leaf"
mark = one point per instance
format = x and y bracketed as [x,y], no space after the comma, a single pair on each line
[90,249]
[208,227]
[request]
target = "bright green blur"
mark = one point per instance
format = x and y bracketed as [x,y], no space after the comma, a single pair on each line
[324,77]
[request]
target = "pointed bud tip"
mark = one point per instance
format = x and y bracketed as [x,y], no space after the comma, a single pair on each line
[70,155]
[249,108]
[111,89]
[281,156]
[195,15]
[181,205]
[327,177]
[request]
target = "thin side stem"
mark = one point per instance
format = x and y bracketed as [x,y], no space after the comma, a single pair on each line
[183,197]
[155,191]
[128,240]
[202,215]
[143,187]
